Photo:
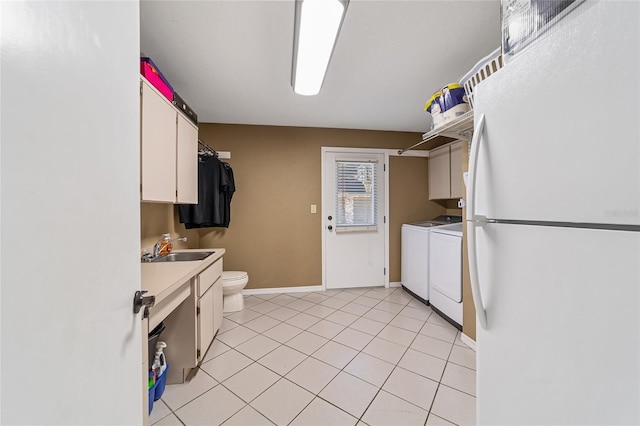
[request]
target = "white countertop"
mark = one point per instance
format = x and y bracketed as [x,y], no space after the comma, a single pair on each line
[161,279]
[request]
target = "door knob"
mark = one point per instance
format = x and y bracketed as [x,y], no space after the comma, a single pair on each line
[330,217]
[139,300]
[329,227]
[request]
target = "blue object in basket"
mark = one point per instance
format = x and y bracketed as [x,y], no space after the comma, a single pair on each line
[160,384]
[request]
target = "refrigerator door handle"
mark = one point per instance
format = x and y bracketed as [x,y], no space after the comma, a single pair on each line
[474,220]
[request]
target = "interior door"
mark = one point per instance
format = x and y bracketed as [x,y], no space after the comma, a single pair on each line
[70,218]
[353,208]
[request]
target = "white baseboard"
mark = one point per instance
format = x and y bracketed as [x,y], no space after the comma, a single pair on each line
[301,289]
[468,341]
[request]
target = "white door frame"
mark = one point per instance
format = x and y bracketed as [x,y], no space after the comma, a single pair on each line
[385,177]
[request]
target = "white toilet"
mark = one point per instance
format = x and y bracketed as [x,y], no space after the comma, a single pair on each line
[232,284]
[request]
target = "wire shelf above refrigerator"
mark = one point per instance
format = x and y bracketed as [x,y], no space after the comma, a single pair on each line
[460,128]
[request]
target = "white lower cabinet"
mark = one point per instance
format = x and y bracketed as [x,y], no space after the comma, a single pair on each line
[191,327]
[209,306]
[192,314]
[205,323]
[217,305]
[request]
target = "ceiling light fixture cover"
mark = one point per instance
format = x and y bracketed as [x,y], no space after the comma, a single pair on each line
[317,24]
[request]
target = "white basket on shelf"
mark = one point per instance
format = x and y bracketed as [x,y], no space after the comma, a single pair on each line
[481,71]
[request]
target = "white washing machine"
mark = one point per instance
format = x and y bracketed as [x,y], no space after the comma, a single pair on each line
[415,254]
[445,272]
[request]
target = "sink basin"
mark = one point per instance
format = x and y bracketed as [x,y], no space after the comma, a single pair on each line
[184,256]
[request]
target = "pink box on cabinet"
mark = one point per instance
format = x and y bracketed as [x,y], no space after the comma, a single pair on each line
[150,71]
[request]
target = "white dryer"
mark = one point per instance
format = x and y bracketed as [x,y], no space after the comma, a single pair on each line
[445,272]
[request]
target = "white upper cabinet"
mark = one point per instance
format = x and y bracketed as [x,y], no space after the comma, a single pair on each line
[158,146]
[187,162]
[169,151]
[445,172]
[457,183]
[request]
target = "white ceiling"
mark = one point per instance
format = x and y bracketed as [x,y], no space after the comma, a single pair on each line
[231,60]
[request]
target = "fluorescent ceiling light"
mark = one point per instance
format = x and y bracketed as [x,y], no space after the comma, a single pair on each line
[316,30]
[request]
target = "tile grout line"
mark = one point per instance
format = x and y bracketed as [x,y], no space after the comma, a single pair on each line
[170,413]
[358,419]
[284,344]
[220,383]
[440,383]
[385,324]
[280,376]
[394,369]
[362,351]
[317,395]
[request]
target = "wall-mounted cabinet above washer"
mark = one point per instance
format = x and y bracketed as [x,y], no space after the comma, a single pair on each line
[445,172]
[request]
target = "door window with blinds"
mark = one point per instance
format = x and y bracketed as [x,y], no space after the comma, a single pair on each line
[356,196]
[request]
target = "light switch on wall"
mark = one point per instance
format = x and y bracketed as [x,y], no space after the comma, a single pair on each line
[313,208]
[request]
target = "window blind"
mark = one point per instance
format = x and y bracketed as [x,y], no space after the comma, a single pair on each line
[356,199]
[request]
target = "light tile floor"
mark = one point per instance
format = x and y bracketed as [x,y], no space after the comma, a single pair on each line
[369,356]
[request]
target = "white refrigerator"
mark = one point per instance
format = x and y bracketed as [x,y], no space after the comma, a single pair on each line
[553,214]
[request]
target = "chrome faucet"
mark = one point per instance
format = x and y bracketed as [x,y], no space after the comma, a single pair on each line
[157,247]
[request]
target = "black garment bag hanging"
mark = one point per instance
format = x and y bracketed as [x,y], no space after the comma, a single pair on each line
[215,190]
